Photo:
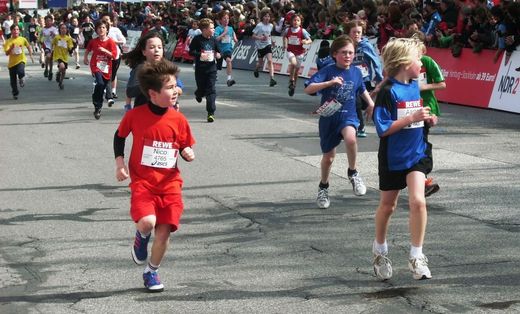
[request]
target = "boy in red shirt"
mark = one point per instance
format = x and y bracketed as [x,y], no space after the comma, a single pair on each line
[104,50]
[160,134]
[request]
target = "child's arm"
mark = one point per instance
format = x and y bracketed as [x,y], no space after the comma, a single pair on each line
[119,151]
[188,154]
[316,87]
[370,109]
[432,86]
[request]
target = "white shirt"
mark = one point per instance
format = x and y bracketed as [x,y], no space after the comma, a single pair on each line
[7,26]
[115,33]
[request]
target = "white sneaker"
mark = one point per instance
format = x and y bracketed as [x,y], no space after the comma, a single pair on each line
[323,200]
[382,266]
[419,268]
[357,184]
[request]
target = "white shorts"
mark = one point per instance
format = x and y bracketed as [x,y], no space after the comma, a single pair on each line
[299,58]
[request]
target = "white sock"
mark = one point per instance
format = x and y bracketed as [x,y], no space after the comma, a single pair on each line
[113,90]
[150,267]
[144,236]
[229,77]
[415,251]
[380,248]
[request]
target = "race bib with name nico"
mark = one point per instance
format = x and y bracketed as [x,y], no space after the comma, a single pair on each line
[159,154]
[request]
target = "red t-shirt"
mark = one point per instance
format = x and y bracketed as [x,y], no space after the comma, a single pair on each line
[157,143]
[100,62]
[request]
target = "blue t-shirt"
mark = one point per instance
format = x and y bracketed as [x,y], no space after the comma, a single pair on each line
[345,94]
[226,44]
[404,148]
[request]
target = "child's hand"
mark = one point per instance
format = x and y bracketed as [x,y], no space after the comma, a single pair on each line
[121,173]
[432,121]
[421,115]
[188,154]
[338,80]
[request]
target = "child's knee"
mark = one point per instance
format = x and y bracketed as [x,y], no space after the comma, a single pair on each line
[147,223]
[417,204]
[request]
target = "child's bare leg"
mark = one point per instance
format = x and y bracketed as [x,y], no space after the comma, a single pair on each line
[387,205]
[146,224]
[417,202]
[229,67]
[270,64]
[160,243]
[349,137]
[259,64]
[326,164]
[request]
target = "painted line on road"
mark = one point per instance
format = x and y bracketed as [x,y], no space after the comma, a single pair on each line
[225,104]
[298,120]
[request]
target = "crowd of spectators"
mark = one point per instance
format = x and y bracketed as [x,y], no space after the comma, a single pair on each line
[475,24]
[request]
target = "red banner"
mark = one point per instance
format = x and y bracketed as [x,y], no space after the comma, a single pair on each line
[469,78]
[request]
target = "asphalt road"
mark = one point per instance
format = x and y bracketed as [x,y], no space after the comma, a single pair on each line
[251,239]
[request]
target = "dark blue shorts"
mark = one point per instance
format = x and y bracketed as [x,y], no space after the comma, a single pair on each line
[330,128]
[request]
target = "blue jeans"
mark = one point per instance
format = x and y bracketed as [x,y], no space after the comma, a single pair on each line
[99,90]
[16,72]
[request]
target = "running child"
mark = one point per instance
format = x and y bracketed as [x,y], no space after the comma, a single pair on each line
[74,31]
[103,52]
[294,38]
[62,45]
[194,31]
[367,60]
[226,39]
[262,35]
[150,47]
[399,118]
[33,34]
[160,134]
[13,48]
[339,85]
[205,50]
[117,36]
[49,31]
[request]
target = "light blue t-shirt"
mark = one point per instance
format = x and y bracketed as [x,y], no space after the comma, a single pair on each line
[226,44]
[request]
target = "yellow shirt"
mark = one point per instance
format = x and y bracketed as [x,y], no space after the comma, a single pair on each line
[61,45]
[17,54]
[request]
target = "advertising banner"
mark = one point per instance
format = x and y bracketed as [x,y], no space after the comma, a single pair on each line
[131,40]
[506,92]
[470,78]
[28,4]
[245,55]
[57,3]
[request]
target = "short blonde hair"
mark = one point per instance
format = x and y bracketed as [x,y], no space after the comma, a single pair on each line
[399,52]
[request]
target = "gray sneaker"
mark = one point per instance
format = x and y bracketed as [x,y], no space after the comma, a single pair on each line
[357,184]
[323,198]
[419,268]
[382,266]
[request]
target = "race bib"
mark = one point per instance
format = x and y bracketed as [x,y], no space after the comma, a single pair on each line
[32,30]
[207,55]
[17,50]
[406,108]
[102,66]
[294,41]
[364,69]
[62,43]
[158,154]
[328,108]
[226,39]
[76,30]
